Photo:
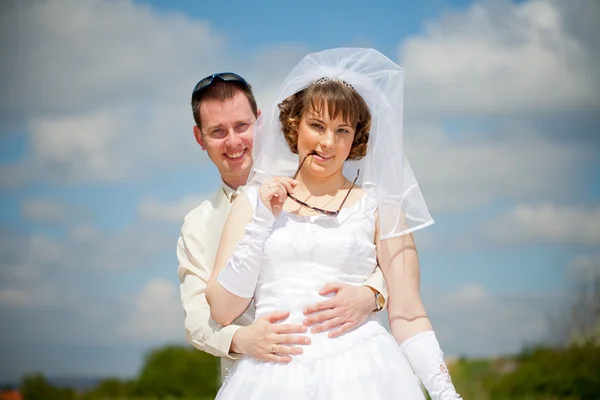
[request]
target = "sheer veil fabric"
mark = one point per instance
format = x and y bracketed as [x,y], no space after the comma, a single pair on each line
[384,172]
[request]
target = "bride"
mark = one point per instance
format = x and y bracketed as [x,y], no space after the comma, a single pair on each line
[302,224]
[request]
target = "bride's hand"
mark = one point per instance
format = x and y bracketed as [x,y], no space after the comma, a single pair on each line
[274,192]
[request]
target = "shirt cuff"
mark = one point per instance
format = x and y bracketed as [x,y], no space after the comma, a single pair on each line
[225,338]
[375,310]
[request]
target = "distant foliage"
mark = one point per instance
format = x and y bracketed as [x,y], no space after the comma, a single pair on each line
[36,387]
[469,376]
[112,388]
[543,373]
[178,372]
[540,373]
[171,372]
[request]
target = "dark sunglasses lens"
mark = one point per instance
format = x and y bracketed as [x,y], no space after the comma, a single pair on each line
[202,84]
[230,76]
[226,76]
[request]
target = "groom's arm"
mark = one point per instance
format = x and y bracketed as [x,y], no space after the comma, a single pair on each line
[255,340]
[200,330]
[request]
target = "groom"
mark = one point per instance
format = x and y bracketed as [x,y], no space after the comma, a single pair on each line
[225,110]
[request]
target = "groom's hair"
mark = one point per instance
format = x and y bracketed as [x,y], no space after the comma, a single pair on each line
[221,91]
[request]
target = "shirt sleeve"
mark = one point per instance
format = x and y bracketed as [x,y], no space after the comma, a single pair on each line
[377,282]
[200,330]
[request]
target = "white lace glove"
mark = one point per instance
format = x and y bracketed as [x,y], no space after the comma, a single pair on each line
[240,275]
[426,358]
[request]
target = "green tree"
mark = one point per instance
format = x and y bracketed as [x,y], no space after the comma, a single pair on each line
[544,373]
[469,376]
[112,388]
[36,387]
[179,372]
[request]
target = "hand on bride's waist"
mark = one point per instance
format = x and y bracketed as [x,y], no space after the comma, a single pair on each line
[270,337]
[348,308]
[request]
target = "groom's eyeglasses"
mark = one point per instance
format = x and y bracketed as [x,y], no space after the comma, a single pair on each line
[224,76]
[320,210]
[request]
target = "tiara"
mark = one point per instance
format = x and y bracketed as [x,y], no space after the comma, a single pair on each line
[324,80]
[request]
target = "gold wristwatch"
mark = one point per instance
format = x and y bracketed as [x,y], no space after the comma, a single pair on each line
[379,299]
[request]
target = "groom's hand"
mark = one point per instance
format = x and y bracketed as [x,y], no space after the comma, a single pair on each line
[267,340]
[350,307]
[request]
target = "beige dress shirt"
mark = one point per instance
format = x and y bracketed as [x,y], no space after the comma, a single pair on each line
[196,252]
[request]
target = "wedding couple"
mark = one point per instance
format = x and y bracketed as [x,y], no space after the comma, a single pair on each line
[284,268]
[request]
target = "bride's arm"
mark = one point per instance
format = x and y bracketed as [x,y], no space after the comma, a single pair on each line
[399,263]
[408,319]
[233,280]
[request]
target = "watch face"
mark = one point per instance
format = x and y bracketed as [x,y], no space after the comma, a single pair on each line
[380,301]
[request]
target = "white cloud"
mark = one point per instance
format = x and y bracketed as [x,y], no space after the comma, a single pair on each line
[547,223]
[30,268]
[42,210]
[24,257]
[268,68]
[123,111]
[73,56]
[472,321]
[87,141]
[153,210]
[83,234]
[498,57]
[461,172]
[39,295]
[470,294]
[43,249]
[105,92]
[54,272]
[51,210]
[13,175]
[29,271]
[72,288]
[157,301]
[131,248]
[585,268]
[12,297]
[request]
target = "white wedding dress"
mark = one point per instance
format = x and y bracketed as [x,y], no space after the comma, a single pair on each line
[300,256]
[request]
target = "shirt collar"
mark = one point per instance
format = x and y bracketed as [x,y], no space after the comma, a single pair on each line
[230,193]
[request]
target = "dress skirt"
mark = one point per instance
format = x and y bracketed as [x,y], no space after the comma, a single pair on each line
[367,364]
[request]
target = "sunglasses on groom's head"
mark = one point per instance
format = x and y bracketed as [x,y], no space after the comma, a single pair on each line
[224,76]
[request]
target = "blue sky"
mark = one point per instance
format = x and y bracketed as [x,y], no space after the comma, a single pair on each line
[98,163]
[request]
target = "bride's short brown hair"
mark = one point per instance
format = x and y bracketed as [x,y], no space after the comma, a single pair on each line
[340,100]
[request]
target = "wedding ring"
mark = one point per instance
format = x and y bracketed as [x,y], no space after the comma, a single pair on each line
[274,351]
